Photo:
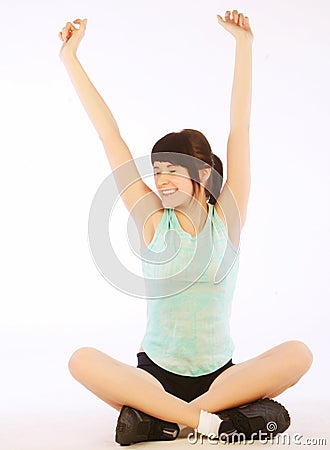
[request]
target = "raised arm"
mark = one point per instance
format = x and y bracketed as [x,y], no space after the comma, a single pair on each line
[128,179]
[96,108]
[238,146]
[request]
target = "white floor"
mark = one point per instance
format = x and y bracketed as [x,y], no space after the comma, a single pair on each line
[93,429]
[43,408]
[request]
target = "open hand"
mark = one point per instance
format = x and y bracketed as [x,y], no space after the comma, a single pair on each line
[71,37]
[238,25]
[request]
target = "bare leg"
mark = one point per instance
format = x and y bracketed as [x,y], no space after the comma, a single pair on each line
[267,375]
[119,384]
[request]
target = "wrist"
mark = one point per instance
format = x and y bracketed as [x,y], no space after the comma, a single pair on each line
[244,40]
[68,58]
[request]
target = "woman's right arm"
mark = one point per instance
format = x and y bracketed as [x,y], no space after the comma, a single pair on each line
[129,181]
[96,108]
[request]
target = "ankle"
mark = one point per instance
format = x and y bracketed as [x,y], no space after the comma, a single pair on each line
[209,424]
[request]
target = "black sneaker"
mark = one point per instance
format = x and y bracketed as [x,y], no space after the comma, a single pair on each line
[136,426]
[259,420]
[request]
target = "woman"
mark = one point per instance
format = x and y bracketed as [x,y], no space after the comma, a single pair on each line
[185,374]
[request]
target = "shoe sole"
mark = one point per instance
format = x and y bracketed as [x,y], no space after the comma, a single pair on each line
[262,419]
[135,426]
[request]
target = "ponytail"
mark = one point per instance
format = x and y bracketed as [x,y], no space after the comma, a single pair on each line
[215,180]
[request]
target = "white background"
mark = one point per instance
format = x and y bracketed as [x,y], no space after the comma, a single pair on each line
[161,67]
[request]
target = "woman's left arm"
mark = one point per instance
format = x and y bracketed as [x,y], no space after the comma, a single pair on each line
[238,146]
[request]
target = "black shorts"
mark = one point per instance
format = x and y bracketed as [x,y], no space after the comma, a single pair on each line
[182,386]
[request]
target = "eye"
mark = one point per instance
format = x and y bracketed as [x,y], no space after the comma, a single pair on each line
[170,171]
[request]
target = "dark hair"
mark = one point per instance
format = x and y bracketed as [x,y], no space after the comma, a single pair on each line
[193,143]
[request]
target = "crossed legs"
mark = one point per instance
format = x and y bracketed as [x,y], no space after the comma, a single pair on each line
[116,383]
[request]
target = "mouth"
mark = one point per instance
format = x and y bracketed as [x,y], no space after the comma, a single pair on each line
[168,192]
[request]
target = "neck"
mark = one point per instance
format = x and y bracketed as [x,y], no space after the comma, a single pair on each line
[194,212]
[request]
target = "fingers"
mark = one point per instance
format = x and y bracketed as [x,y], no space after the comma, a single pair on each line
[69,28]
[237,18]
[67,31]
[81,22]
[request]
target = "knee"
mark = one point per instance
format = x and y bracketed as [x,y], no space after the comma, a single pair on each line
[300,355]
[80,360]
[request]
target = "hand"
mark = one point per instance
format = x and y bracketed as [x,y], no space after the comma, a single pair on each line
[238,26]
[71,37]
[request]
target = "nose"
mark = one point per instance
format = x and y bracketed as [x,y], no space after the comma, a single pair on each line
[162,179]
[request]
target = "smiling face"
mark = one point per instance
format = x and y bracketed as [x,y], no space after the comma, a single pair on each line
[173,184]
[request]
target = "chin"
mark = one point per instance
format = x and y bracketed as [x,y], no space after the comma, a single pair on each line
[180,198]
[178,203]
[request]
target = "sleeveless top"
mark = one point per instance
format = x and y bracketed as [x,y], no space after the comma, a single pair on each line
[189,284]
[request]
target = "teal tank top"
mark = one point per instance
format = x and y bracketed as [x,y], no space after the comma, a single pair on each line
[189,284]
